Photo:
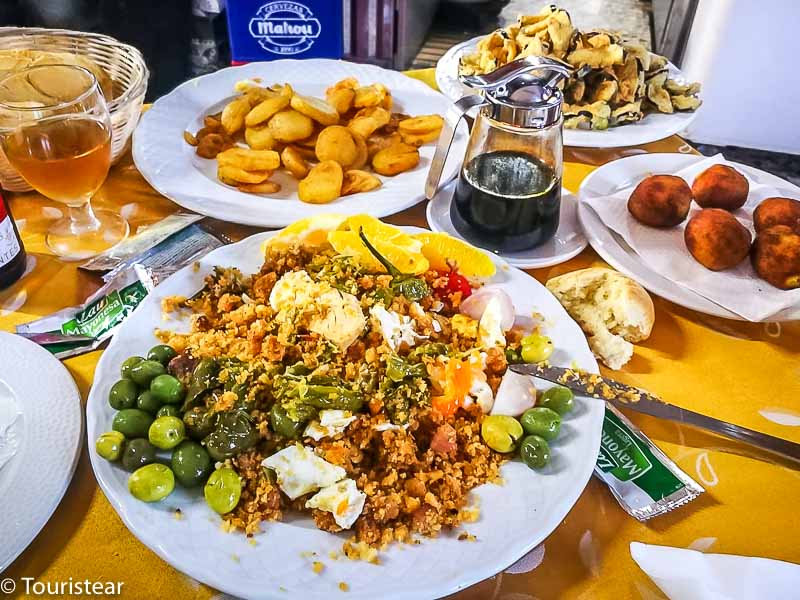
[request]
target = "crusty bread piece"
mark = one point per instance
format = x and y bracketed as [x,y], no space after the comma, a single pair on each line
[613,310]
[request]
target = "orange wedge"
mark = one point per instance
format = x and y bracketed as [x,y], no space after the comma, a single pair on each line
[348,243]
[439,248]
[311,230]
[377,230]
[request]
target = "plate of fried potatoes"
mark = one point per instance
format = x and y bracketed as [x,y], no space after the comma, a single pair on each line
[268,143]
[628,95]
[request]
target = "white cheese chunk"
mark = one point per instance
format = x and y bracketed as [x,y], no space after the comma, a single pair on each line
[330,423]
[395,328]
[343,500]
[339,318]
[300,470]
[295,288]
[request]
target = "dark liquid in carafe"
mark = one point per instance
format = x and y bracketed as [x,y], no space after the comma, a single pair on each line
[507,201]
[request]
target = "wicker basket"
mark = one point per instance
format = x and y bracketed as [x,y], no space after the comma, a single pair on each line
[124,64]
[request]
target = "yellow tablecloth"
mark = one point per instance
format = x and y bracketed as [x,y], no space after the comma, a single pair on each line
[745,373]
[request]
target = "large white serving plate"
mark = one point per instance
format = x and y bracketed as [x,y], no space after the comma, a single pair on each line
[515,517]
[628,171]
[171,166]
[652,127]
[48,434]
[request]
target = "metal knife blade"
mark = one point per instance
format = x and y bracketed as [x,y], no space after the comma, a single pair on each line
[595,386]
[46,339]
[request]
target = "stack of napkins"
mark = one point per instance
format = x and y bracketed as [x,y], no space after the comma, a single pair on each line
[691,575]
[664,251]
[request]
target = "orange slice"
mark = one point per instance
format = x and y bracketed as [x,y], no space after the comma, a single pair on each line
[439,248]
[348,243]
[311,230]
[375,229]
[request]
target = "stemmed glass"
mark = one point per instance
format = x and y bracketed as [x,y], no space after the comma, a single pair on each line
[55,130]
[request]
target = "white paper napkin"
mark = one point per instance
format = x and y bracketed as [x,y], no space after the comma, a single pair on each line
[691,575]
[739,289]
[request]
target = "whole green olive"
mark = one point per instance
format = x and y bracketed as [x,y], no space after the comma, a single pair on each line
[148,402]
[199,423]
[559,399]
[282,424]
[109,445]
[534,451]
[138,453]
[128,364]
[167,389]
[166,432]
[145,371]
[161,353]
[541,421]
[169,410]
[191,463]
[536,348]
[501,432]
[123,394]
[151,483]
[223,490]
[132,422]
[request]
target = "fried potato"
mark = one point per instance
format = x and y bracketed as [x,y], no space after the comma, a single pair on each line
[350,83]
[356,181]
[211,144]
[233,115]
[421,125]
[304,151]
[369,95]
[256,95]
[231,175]
[323,183]
[366,122]
[311,141]
[259,138]
[376,142]
[265,187]
[362,155]
[250,160]
[294,162]
[387,101]
[189,138]
[336,143]
[316,109]
[395,159]
[212,122]
[340,98]
[420,139]
[289,126]
[266,109]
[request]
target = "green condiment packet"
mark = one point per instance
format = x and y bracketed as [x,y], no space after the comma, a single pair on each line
[642,478]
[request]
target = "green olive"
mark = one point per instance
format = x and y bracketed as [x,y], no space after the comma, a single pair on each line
[559,399]
[161,353]
[199,423]
[148,402]
[167,389]
[128,364]
[169,410]
[223,490]
[132,422]
[123,394]
[282,424]
[191,463]
[501,432]
[534,451]
[541,421]
[166,432]
[151,483]
[109,445]
[138,453]
[145,371]
[536,348]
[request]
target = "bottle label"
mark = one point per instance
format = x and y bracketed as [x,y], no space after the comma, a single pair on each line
[9,245]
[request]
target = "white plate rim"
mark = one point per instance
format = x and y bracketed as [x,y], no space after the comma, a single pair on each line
[608,246]
[162,126]
[26,484]
[634,134]
[596,412]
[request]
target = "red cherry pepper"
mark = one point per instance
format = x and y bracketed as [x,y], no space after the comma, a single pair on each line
[456,283]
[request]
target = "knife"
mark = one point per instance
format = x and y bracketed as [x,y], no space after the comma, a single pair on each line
[622,395]
[47,339]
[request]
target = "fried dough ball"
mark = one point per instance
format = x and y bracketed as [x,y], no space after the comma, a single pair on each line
[776,256]
[716,239]
[777,211]
[660,201]
[336,143]
[720,186]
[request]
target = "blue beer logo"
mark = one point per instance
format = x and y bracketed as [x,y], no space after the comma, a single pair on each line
[285,28]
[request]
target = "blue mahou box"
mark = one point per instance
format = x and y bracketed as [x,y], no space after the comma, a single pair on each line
[272,29]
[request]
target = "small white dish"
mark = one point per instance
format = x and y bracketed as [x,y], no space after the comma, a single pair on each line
[568,242]
[49,433]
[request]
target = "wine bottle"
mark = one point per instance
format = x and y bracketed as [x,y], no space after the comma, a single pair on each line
[12,252]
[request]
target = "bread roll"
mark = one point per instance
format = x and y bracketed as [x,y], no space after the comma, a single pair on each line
[613,310]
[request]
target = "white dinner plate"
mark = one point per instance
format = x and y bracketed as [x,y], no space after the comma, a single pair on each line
[568,241]
[171,166]
[48,436]
[654,126]
[628,171]
[515,517]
